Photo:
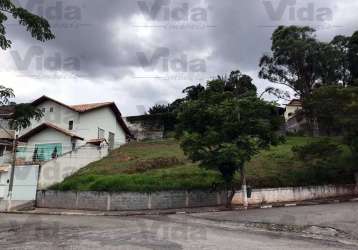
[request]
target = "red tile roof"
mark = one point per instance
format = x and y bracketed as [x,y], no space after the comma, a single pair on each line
[295,102]
[43,126]
[90,106]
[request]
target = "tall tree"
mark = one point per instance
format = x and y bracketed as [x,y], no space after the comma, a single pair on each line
[225,127]
[353,57]
[294,61]
[341,45]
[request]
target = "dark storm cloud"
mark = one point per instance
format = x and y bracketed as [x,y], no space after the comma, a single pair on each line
[103,36]
[116,41]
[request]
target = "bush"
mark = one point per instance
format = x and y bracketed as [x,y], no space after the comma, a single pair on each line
[321,163]
[320,150]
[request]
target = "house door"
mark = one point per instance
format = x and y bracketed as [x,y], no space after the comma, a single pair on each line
[111,141]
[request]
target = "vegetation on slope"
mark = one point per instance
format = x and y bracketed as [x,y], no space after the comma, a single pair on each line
[161,165]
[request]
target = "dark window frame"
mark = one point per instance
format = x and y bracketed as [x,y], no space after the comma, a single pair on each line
[70,125]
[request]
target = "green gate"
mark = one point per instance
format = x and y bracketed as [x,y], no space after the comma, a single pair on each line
[46,152]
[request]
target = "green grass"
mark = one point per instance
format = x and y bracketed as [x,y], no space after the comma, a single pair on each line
[161,165]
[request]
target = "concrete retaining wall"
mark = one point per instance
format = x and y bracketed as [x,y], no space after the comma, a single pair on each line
[276,195]
[182,199]
[128,200]
[57,170]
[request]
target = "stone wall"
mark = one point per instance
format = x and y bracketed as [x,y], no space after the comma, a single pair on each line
[128,200]
[277,195]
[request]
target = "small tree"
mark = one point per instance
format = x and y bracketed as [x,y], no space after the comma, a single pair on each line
[225,127]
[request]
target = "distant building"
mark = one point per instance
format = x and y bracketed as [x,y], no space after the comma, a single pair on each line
[291,108]
[146,127]
[295,121]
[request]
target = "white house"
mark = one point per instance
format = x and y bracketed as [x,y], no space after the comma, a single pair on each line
[291,108]
[65,128]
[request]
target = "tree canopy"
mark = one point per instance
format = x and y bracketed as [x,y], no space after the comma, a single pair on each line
[300,61]
[336,110]
[37,26]
[40,29]
[227,125]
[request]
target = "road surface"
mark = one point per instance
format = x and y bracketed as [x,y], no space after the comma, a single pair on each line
[139,232]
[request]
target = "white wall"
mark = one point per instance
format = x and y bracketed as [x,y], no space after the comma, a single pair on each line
[290,111]
[277,195]
[47,136]
[102,118]
[60,116]
[85,124]
[57,170]
[25,186]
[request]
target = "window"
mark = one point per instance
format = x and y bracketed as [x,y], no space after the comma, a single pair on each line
[51,109]
[100,133]
[111,140]
[43,110]
[70,125]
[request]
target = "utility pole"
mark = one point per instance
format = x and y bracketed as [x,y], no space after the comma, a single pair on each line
[12,173]
[244,188]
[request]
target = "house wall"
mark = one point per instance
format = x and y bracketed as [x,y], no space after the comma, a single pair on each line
[102,118]
[25,187]
[60,117]
[57,170]
[45,137]
[291,110]
[85,124]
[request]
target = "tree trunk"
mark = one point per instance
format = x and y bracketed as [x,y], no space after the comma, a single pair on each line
[244,187]
[230,196]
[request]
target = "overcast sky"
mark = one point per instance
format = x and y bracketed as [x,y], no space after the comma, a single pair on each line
[139,53]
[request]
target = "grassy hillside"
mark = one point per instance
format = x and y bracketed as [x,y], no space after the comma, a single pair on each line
[161,165]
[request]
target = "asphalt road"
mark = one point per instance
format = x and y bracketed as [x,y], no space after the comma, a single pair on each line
[156,232]
[341,216]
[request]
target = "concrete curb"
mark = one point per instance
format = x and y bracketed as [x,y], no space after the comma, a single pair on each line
[61,212]
[305,203]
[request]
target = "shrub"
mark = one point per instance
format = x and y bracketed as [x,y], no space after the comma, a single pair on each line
[320,150]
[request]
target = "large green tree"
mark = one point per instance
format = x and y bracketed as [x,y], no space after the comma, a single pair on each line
[226,126]
[353,57]
[336,109]
[294,61]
